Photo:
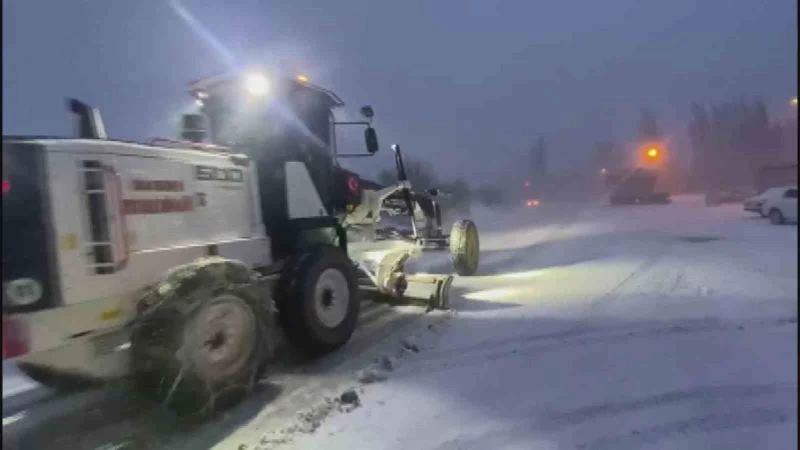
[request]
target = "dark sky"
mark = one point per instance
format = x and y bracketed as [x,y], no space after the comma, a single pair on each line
[465,83]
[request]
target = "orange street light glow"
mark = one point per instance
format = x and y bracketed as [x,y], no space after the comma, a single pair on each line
[652,153]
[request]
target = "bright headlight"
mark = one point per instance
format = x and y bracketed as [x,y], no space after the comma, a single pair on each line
[256,84]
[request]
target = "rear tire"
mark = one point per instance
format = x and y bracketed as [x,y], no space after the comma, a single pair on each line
[775,216]
[318,302]
[203,338]
[464,247]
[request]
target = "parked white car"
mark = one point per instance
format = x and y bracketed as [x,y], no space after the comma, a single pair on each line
[754,203]
[778,203]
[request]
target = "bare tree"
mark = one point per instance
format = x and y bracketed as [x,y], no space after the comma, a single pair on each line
[699,134]
[648,128]
[732,141]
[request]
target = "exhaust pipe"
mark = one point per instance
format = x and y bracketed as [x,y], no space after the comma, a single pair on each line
[89,121]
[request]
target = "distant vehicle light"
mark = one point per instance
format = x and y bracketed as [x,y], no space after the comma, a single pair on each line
[532,203]
[302,79]
[527,184]
[603,171]
[202,94]
[198,102]
[6,186]
[256,84]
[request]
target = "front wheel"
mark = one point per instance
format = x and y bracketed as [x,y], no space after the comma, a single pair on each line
[464,247]
[319,304]
[775,216]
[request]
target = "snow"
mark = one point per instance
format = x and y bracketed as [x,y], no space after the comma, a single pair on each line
[596,327]
[14,381]
[587,327]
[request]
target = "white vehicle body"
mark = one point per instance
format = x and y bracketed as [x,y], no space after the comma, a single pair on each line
[93,228]
[157,208]
[755,203]
[166,207]
[783,200]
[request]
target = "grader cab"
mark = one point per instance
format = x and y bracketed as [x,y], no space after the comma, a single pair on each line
[274,120]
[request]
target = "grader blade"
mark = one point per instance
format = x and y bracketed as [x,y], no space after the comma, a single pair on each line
[387,272]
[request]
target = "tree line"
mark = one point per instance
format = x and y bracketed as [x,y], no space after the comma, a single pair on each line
[730,141]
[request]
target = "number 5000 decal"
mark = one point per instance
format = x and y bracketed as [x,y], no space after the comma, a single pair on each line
[218,174]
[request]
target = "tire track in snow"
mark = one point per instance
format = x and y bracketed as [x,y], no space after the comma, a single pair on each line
[709,423]
[612,408]
[556,423]
[649,262]
[686,325]
[479,354]
[581,327]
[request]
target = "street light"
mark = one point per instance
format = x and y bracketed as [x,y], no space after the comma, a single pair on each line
[652,152]
[794,101]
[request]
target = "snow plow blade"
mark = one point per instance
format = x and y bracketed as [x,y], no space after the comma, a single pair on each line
[386,274]
[437,288]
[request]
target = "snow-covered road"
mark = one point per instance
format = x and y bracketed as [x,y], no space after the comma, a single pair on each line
[595,327]
[587,327]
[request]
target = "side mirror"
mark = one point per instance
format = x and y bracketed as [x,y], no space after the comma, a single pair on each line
[367,112]
[371,139]
[193,127]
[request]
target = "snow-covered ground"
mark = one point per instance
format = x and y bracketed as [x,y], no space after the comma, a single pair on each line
[14,381]
[595,327]
[587,327]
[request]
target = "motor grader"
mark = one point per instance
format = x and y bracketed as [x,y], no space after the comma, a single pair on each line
[179,263]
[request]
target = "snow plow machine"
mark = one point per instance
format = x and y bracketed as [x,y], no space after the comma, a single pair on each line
[180,265]
[636,187]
